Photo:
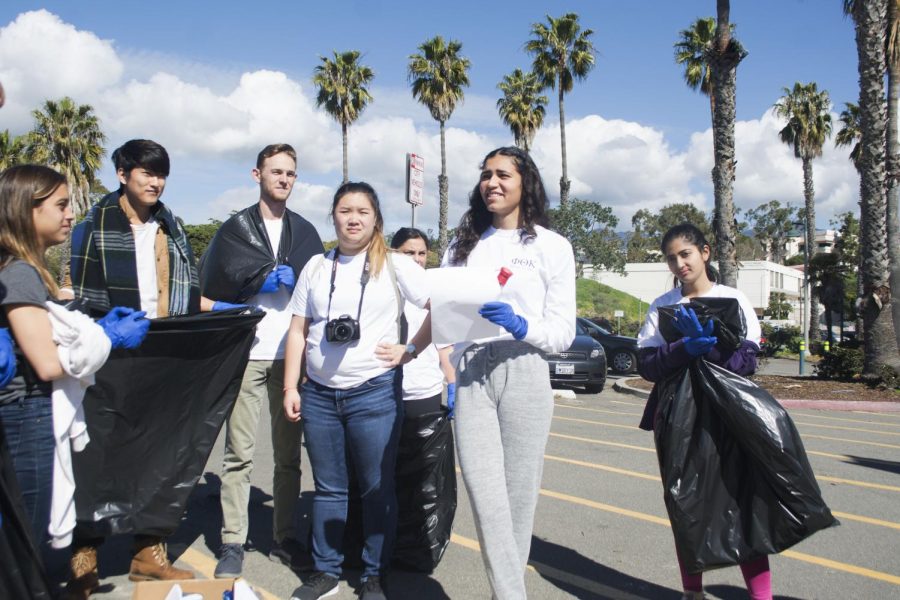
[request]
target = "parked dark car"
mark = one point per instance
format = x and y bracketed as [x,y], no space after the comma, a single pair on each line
[583,364]
[621,351]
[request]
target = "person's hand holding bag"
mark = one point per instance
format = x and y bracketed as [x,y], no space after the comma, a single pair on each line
[286,276]
[687,323]
[125,327]
[271,283]
[7,358]
[502,314]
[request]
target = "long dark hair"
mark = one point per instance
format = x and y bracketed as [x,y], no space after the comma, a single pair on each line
[404,234]
[692,235]
[377,248]
[477,219]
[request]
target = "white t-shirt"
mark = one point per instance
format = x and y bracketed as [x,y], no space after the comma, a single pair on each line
[348,365]
[145,259]
[550,307]
[650,337]
[271,331]
[422,376]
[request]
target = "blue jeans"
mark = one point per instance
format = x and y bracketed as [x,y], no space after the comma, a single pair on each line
[28,425]
[363,422]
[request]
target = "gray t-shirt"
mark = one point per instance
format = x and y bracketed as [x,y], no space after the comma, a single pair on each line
[20,283]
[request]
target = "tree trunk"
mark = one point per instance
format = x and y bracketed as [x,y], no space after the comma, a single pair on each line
[723,59]
[893,183]
[443,189]
[880,343]
[564,182]
[344,139]
[809,196]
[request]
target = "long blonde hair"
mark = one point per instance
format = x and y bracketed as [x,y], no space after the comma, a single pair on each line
[377,248]
[22,189]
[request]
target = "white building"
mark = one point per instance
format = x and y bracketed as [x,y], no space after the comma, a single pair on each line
[825,240]
[756,278]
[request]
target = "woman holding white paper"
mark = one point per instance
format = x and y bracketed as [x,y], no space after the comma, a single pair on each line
[504,403]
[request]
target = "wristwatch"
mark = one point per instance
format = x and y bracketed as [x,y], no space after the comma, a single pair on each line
[411,350]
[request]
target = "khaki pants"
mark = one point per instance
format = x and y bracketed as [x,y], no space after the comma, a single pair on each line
[263,380]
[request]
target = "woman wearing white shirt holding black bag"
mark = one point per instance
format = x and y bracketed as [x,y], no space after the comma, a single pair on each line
[504,403]
[345,329]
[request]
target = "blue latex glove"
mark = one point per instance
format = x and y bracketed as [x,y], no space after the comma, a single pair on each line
[699,346]
[286,276]
[688,325]
[501,313]
[128,331]
[117,313]
[7,358]
[270,284]
[226,305]
[451,398]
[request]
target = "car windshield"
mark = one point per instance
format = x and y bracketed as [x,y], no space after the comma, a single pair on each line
[593,325]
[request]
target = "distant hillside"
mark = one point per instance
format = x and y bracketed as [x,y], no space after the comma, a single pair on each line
[597,300]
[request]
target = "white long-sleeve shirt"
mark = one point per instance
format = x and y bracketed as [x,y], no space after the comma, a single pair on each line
[548,261]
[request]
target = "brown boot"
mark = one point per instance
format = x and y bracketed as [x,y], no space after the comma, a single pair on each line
[85,577]
[151,563]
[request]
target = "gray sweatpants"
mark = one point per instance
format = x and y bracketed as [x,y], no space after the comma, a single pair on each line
[504,405]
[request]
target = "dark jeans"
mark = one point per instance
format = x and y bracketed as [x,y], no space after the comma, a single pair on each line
[28,425]
[363,422]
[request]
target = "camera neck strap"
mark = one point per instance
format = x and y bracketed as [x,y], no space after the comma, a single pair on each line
[363,280]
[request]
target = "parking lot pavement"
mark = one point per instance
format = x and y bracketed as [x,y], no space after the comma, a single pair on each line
[601,529]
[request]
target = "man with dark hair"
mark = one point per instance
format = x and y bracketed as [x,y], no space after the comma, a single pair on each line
[255,258]
[131,251]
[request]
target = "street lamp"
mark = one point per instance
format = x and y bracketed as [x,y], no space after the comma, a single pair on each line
[804,295]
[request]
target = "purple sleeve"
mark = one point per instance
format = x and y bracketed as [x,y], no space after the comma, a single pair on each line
[741,361]
[655,364]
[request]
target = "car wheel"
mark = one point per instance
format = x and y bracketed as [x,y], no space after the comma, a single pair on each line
[594,388]
[623,362]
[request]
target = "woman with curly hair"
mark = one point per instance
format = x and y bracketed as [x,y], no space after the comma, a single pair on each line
[504,403]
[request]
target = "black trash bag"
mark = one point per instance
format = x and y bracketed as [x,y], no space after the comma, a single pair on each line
[426,491]
[729,325]
[239,257]
[153,417]
[426,497]
[736,480]
[21,570]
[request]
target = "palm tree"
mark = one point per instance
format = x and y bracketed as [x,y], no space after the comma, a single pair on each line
[849,133]
[691,50]
[723,57]
[892,50]
[438,74]
[67,137]
[879,340]
[12,150]
[808,126]
[342,90]
[522,106]
[563,52]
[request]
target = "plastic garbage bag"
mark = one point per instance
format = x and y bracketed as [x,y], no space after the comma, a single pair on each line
[426,497]
[729,327]
[426,491]
[153,417]
[736,479]
[239,257]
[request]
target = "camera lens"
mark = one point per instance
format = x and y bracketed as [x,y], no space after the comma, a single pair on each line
[342,332]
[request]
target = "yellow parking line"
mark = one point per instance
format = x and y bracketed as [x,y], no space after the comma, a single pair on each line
[600,467]
[864,442]
[839,566]
[830,455]
[591,422]
[868,520]
[866,484]
[602,442]
[846,420]
[206,566]
[845,428]
[816,560]
[627,403]
[600,410]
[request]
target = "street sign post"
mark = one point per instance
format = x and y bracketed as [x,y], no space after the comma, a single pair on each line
[415,182]
[618,314]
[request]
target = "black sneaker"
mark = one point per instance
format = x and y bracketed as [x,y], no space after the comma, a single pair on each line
[231,560]
[291,553]
[320,585]
[371,589]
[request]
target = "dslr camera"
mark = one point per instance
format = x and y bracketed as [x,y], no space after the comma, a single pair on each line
[341,330]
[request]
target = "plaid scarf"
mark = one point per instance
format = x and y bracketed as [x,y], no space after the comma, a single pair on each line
[103,267]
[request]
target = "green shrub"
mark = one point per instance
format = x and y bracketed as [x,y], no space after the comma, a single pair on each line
[842,364]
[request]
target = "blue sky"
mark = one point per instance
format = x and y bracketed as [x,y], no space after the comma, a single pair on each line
[214,82]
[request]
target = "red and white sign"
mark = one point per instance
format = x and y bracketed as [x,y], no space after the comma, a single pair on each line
[415,179]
